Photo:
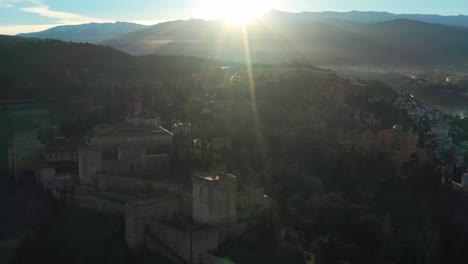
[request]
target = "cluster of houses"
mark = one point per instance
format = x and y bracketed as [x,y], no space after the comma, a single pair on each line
[436,127]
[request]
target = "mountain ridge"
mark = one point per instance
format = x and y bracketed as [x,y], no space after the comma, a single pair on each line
[394,43]
[321,38]
[376,16]
[89,32]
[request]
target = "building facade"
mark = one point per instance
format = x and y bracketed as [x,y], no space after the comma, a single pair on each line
[187,227]
[25,154]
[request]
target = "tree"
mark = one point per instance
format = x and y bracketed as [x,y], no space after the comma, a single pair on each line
[327,250]
[286,252]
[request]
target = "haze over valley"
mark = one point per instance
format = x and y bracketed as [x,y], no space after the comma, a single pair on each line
[406,44]
[327,38]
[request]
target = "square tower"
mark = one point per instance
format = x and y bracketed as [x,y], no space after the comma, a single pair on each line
[89,164]
[214,198]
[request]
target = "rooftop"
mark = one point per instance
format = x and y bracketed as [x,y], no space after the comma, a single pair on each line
[150,201]
[117,197]
[148,115]
[214,176]
[106,130]
[182,124]
[65,144]
[184,223]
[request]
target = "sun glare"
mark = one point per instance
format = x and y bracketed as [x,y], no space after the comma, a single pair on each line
[239,12]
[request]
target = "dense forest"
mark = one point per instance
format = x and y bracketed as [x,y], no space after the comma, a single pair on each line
[33,68]
[344,204]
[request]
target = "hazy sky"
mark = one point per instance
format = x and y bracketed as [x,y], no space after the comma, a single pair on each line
[33,15]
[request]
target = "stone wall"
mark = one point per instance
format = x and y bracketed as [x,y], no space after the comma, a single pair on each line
[149,141]
[231,232]
[251,202]
[187,203]
[187,243]
[154,164]
[138,216]
[44,177]
[99,204]
[156,247]
[207,258]
[191,242]
[112,183]
[64,155]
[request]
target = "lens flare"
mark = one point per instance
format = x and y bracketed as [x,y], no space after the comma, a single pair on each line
[239,12]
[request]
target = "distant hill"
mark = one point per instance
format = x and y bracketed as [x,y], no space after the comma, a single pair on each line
[35,68]
[395,43]
[371,17]
[93,32]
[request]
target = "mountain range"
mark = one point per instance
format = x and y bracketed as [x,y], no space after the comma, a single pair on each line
[97,32]
[372,17]
[325,38]
[396,43]
[92,32]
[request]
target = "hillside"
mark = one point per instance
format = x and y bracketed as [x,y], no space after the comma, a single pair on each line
[32,68]
[396,43]
[93,32]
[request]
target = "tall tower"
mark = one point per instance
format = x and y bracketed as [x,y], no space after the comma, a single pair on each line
[138,104]
[137,108]
[89,163]
[214,198]
[25,150]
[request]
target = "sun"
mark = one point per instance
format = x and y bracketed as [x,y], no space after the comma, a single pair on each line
[244,11]
[238,12]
